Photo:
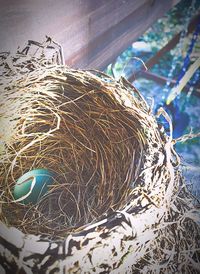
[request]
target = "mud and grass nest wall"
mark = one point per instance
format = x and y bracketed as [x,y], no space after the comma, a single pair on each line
[118,204]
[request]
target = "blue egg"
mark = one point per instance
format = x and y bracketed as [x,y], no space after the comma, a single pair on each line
[33,185]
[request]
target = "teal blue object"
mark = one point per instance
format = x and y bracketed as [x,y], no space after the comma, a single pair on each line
[33,185]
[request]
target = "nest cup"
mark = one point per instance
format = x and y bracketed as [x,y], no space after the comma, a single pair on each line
[76,124]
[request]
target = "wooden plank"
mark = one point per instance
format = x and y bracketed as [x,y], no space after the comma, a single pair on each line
[155,77]
[106,47]
[92,32]
[91,28]
[162,80]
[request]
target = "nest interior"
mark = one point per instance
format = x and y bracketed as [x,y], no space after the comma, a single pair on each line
[74,123]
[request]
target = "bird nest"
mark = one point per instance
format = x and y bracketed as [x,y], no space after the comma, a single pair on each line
[117,173]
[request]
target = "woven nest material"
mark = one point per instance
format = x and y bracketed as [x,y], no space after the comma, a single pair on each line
[119,202]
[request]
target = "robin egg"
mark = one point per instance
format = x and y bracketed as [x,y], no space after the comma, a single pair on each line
[33,185]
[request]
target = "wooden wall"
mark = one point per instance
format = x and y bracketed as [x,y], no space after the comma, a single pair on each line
[92,32]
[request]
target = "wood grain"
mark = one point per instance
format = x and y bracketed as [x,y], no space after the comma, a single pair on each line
[91,32]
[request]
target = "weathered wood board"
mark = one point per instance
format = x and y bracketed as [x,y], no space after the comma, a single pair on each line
[92,32]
